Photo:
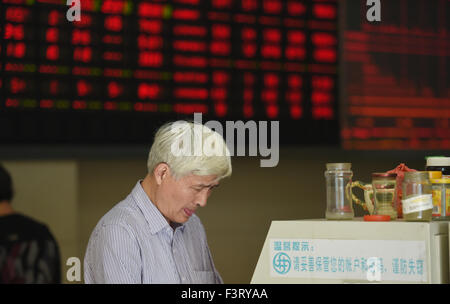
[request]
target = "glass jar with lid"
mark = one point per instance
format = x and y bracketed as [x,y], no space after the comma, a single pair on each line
[339,186]
[417,202]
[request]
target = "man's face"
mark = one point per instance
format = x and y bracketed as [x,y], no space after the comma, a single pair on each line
[179,198]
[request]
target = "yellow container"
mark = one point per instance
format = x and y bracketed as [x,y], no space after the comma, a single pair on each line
[441,198]
[434,174]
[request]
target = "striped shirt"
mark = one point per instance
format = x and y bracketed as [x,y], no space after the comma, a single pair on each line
[133,243]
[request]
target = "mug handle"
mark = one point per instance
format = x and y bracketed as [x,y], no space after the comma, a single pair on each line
[368,191]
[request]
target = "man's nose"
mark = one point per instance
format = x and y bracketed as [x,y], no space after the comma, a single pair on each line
[202,199]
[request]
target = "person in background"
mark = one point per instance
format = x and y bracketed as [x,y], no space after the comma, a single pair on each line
[154,235]
[28,251]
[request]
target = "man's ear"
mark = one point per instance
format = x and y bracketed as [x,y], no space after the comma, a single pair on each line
[160,172]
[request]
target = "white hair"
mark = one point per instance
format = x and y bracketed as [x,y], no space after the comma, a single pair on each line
[190,148]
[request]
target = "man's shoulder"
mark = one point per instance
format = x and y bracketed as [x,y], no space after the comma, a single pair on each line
[24,221]
[125,213]
[22,227]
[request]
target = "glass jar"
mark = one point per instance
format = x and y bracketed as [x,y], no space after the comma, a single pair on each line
[384,185]
[441,199]
[339,186]
[417,202]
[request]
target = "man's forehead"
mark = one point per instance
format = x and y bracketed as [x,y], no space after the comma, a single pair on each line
[204,180]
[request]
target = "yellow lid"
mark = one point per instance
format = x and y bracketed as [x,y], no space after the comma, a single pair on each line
[435,174]
[440,181]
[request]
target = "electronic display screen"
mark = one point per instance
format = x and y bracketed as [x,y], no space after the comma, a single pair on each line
[127,66]
[396,90]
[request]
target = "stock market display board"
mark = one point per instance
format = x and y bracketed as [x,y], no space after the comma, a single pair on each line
[396,89]
[126,66]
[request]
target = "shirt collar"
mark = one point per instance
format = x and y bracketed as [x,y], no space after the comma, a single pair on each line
[153,216]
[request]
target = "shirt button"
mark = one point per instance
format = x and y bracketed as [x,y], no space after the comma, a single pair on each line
[183,279]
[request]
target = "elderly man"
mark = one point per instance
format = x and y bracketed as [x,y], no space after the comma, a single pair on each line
[154,235]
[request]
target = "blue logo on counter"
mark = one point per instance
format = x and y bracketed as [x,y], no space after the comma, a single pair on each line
[281,263]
